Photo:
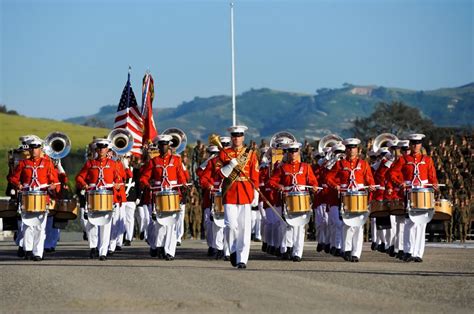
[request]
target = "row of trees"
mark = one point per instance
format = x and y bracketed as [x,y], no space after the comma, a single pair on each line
[3,109]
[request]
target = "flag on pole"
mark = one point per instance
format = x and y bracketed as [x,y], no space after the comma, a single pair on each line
[129,117]
[148,94]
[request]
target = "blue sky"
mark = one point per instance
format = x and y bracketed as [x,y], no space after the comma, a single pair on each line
[65,58]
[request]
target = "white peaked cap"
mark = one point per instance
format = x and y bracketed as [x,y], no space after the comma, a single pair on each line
[292,145]
[224,139]
[351,141]
[392,143]
[338,146]
[416,137]
[237,129]
[35,141]
[101,140]
[213,149]
[25,139]
[403,143]
[164,138]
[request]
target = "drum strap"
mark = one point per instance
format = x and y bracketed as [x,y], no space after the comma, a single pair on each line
[101,179]
[294,182]
[352,180]
[165,171]
[416,181]
[34,175]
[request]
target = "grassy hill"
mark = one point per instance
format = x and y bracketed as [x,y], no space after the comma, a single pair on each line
[12,127]
[268,111]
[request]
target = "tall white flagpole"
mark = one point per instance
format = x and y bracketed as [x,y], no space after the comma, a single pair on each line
[233,60]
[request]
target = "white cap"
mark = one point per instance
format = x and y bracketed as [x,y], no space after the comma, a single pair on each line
[392,143]
[282,141]
[416,137]
[351,141]
[403,143]
[338,146]
[383,150]
[25,139]
[294,145]
[213,149]
[224,139]
[237,129]
[35,142]
[164,138]
[101,140]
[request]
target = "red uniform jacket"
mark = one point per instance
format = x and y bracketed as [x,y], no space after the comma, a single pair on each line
[380,178]
[44,169]
[241,191]
[404,170]
[165,171]
[89,174]
[210,179]
[341,172]
[265,188]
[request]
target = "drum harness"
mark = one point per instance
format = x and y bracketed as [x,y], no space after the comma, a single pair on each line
[165,179]
[353,186]
[416,177]
[294,184]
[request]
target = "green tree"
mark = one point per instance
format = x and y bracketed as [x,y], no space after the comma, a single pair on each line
[396,118]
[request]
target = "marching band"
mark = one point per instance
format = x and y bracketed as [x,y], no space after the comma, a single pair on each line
[338,193]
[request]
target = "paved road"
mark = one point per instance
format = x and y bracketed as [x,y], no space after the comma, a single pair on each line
[131,281]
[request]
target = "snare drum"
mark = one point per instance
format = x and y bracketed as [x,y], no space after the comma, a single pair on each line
[7,208]
[66,209]
[297,202]
[443,210]
[421,198]
[355,201]
[100,200]
[167,201]
[378,209]
[397,207]
[33,201]
[217,206]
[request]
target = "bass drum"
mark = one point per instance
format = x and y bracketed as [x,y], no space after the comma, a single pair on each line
[443,210]
[378,209]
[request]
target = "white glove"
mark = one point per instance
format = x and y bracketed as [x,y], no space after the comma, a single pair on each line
[227,169]
[255,199]
[60,167]
[126,163]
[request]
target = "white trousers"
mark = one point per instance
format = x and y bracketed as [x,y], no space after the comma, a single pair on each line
[335,227]
[143,218]
[99,237]
[34,236]
[399,232]
[353,240]
[117,228]
[129,219]
[419,249]
[166,238]
[321,224]
[217,237]
[180,223]
[393,231]
[52,234]
[256,224]
[237,219]
[373,230]
[294,238]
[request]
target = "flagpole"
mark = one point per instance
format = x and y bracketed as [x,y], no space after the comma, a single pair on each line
[233,60]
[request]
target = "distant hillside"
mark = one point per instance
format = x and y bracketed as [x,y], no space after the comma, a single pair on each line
[12,127]
[267,111]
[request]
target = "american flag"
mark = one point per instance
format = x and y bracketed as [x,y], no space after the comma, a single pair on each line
[129,117]
[148,94]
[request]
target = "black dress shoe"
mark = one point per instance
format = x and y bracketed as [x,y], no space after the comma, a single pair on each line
[210,251]
[28,255]
[319,247]
[53,250]
[127,243]
[400,255]
[286,256]
[118,248]
[233,259]
[407,257]
[84,236]
[271,250]
[178,243]
[264,246]
[347,256]
[373,247]
[142,235]
[354,259]
[161,252]
[296,258]
[277,252]
[169,257]
[391,251]
[332,251]
[417,260]
[154,252]
[381,248]
[241,266]
[20,252]
[226,258]
[102,258]
[93,253]
[327,248]
[219,254]
[110,253]
[338,252]
[37,258]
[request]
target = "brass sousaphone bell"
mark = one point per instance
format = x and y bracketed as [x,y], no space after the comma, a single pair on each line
[57,145]
[179,139]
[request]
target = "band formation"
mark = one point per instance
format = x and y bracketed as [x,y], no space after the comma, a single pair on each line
[237,183]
